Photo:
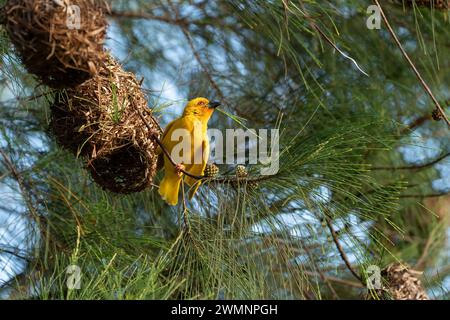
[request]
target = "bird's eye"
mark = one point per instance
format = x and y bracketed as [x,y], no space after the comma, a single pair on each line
[201,103]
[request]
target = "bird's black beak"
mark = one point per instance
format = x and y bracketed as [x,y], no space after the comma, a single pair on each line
[213,104]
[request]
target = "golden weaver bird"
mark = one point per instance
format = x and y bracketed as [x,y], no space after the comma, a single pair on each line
[195,123]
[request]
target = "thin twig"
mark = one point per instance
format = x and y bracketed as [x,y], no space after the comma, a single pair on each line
[341,250]
[148,16]
[438,275]
[156,123]
[405,55]
[13,280]
[4,175]
[416,167]
[425,253]
[416,123]
[345,282]
[20,181]
[227,179]
[429,195]
[14,254]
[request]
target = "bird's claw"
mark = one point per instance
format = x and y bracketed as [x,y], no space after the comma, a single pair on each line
[179,168]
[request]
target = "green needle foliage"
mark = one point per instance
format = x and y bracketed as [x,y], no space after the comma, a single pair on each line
[362,164]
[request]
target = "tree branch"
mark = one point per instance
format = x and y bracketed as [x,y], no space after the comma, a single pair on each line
[341,250]
[416,167]
[429,195]
[416,123]
[20,181]
[10,252]
[413,67]
[344,282]
[148,16]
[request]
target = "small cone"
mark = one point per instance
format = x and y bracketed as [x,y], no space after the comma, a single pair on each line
[211,170]
[241,171]
[243,178]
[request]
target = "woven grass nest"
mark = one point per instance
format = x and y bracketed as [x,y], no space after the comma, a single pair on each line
[404,283]
[52,43]
[401,283]
[100,120]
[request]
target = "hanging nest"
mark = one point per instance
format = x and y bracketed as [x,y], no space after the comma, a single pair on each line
[60,41]
[401,283]
[100,120]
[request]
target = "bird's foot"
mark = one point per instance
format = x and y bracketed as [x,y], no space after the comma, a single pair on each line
[179,168]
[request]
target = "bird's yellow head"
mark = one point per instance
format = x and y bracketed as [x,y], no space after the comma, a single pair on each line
[201,108]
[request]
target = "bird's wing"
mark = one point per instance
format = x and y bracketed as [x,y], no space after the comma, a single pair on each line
[170,185]
[169,127]
[159,152]
[166,130]
[184,123]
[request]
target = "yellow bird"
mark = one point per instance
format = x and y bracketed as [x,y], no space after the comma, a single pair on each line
[192,125]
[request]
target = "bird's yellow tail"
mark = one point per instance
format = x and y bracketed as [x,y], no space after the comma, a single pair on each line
[169,188]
